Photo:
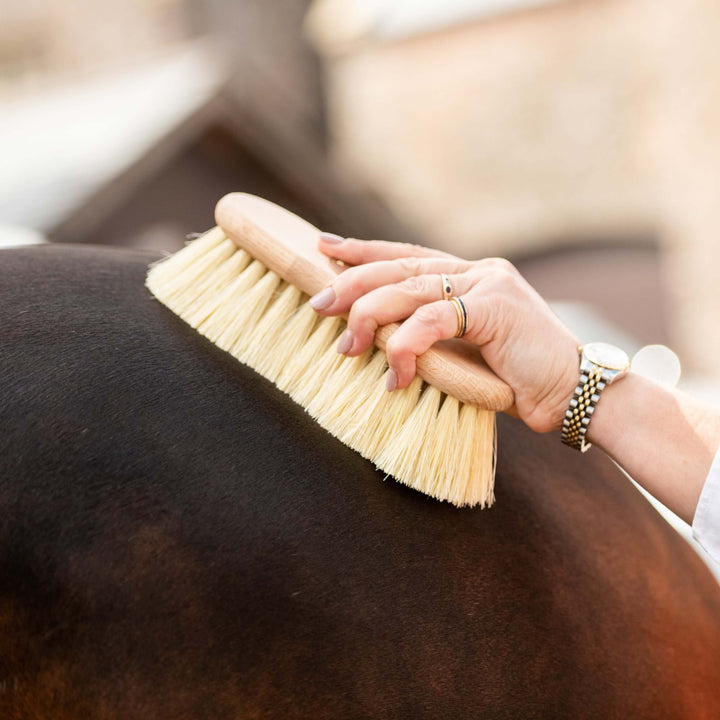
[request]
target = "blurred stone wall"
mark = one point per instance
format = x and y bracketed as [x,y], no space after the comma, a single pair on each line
[684,145]
[574,122]
[505,133]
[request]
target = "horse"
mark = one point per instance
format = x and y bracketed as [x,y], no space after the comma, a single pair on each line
[179,539]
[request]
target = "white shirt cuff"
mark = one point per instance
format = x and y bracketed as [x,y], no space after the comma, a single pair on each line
[706,523]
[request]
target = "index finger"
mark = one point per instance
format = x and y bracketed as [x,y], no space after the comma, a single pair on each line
[358,252]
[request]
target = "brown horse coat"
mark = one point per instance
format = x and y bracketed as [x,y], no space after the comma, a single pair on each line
[179,540]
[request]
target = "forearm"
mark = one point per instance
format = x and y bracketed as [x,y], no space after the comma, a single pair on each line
[664,439]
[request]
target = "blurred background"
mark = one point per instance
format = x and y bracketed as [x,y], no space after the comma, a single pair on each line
[579,138]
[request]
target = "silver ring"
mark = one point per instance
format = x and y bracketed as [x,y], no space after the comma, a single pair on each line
[446,286]
[461,315]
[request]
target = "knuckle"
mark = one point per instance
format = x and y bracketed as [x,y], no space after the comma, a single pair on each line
[428,316]
[359,308]
[362,312]
[414,249]
[350,282]
[395,349]
[504,275]
[415,285]
[500,266]
[411,265]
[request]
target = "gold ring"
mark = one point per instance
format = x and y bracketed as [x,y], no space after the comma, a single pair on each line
[446,286]
[461,311]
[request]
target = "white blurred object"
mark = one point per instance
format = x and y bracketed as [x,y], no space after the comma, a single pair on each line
[15,235]
[59,147]
[334,23]
[658,363]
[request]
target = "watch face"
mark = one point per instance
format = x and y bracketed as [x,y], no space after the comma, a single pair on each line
[607,356]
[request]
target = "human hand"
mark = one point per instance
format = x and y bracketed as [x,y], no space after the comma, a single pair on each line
[521,339]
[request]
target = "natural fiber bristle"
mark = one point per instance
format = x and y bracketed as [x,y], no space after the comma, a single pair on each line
[443,465]
[296,378]
[403,455]
[192,281]
[336,402]
[424,438]
[261,344]
[169,271]
[211,293]
[379,422]
[475,472]
[288,341]
[228,323]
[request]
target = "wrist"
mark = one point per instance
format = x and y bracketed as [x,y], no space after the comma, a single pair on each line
[612,411]
[566,388]
[549,410]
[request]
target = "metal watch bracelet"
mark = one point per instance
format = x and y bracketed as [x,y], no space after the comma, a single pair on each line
[582,405]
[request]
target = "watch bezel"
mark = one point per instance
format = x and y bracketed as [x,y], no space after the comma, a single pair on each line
[607,356]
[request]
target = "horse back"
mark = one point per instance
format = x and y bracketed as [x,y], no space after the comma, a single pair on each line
[178,539]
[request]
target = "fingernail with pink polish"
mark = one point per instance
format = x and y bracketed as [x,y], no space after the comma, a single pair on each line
[345,342]
[323,300]
[331,238]
[391,380]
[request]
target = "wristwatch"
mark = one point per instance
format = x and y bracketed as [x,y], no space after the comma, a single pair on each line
[600,365]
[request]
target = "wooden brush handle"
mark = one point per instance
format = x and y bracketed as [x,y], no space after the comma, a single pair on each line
[287,245]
